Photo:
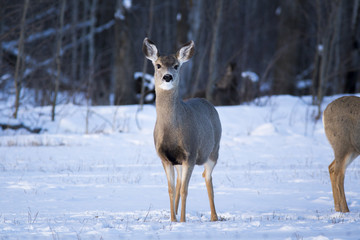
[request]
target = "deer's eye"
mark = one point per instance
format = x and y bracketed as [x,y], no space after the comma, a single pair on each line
[176,67]
[158,66]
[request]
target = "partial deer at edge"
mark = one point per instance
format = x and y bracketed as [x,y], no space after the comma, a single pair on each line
[186,133]
[342,127]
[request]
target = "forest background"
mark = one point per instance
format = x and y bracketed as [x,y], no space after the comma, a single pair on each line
[244,49]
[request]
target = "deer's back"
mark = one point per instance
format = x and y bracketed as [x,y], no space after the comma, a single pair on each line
[342,124]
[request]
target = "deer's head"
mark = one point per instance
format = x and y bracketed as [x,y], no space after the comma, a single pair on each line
[167,68]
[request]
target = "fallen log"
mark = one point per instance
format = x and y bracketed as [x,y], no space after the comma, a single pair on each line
[5,126]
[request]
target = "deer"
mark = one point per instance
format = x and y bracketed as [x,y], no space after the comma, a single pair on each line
[186,133]
[341,120]
[225,90]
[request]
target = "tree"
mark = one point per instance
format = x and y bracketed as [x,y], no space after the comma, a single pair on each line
[91,49]
[283,42]
[123,68]
[83,49]
[74,40]
[2,25]
[352,77]
[286,69]
[198,28]
[19,61]
[58,57]
[145,65]
[333,67]
[215,51]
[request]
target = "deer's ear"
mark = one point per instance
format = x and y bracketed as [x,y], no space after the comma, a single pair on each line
[150,50]
[185,52]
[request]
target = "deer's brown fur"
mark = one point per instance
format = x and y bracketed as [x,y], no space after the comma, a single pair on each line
[342,127]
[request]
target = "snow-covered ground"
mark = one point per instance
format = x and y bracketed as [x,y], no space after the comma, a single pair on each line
[271,180]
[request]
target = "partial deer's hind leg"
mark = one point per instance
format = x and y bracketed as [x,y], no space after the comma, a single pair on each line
[170,175]
[333,177]
[209,166]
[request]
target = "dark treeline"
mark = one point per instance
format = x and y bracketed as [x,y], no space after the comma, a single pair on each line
[244,49]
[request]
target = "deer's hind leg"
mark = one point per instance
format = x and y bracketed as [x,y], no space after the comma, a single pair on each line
[334,173]
[337,175]
[209,166]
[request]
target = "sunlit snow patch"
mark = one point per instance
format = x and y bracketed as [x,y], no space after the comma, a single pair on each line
[266,129]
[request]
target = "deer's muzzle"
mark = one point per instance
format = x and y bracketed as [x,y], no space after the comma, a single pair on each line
[167,77]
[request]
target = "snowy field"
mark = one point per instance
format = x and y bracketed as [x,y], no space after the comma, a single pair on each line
[271,180]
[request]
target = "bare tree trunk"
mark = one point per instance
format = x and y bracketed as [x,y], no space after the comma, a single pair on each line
[315,75]
[124,81]
[58,58]
[247,31]
[182,36]
[19,60]
[200,35]
[2,24]
[287,43]
[91,61]
[183,26]
[82,74]
[142,96]
[214,52]
[338,67]
[324,67]
[319,52]
[92,48]
[329,33]
[352,78]
[74,57]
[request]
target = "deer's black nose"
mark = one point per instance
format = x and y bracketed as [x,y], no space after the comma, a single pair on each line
[167,77]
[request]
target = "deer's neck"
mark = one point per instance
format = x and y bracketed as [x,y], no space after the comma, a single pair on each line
[168,106]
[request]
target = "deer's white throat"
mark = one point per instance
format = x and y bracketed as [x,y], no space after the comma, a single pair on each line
[167,85]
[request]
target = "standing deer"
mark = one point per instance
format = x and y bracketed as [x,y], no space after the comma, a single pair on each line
[342,127]
[186,133]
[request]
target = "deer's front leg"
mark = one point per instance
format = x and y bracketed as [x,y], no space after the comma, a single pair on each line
[170,175]
[186,174]
[178,187]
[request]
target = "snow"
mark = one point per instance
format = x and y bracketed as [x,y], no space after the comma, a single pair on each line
[119,14]
[178,17]
[320,48]
[271,180]
[303,84]
[5,77]
[251,75]
[149,79]
[127,4]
